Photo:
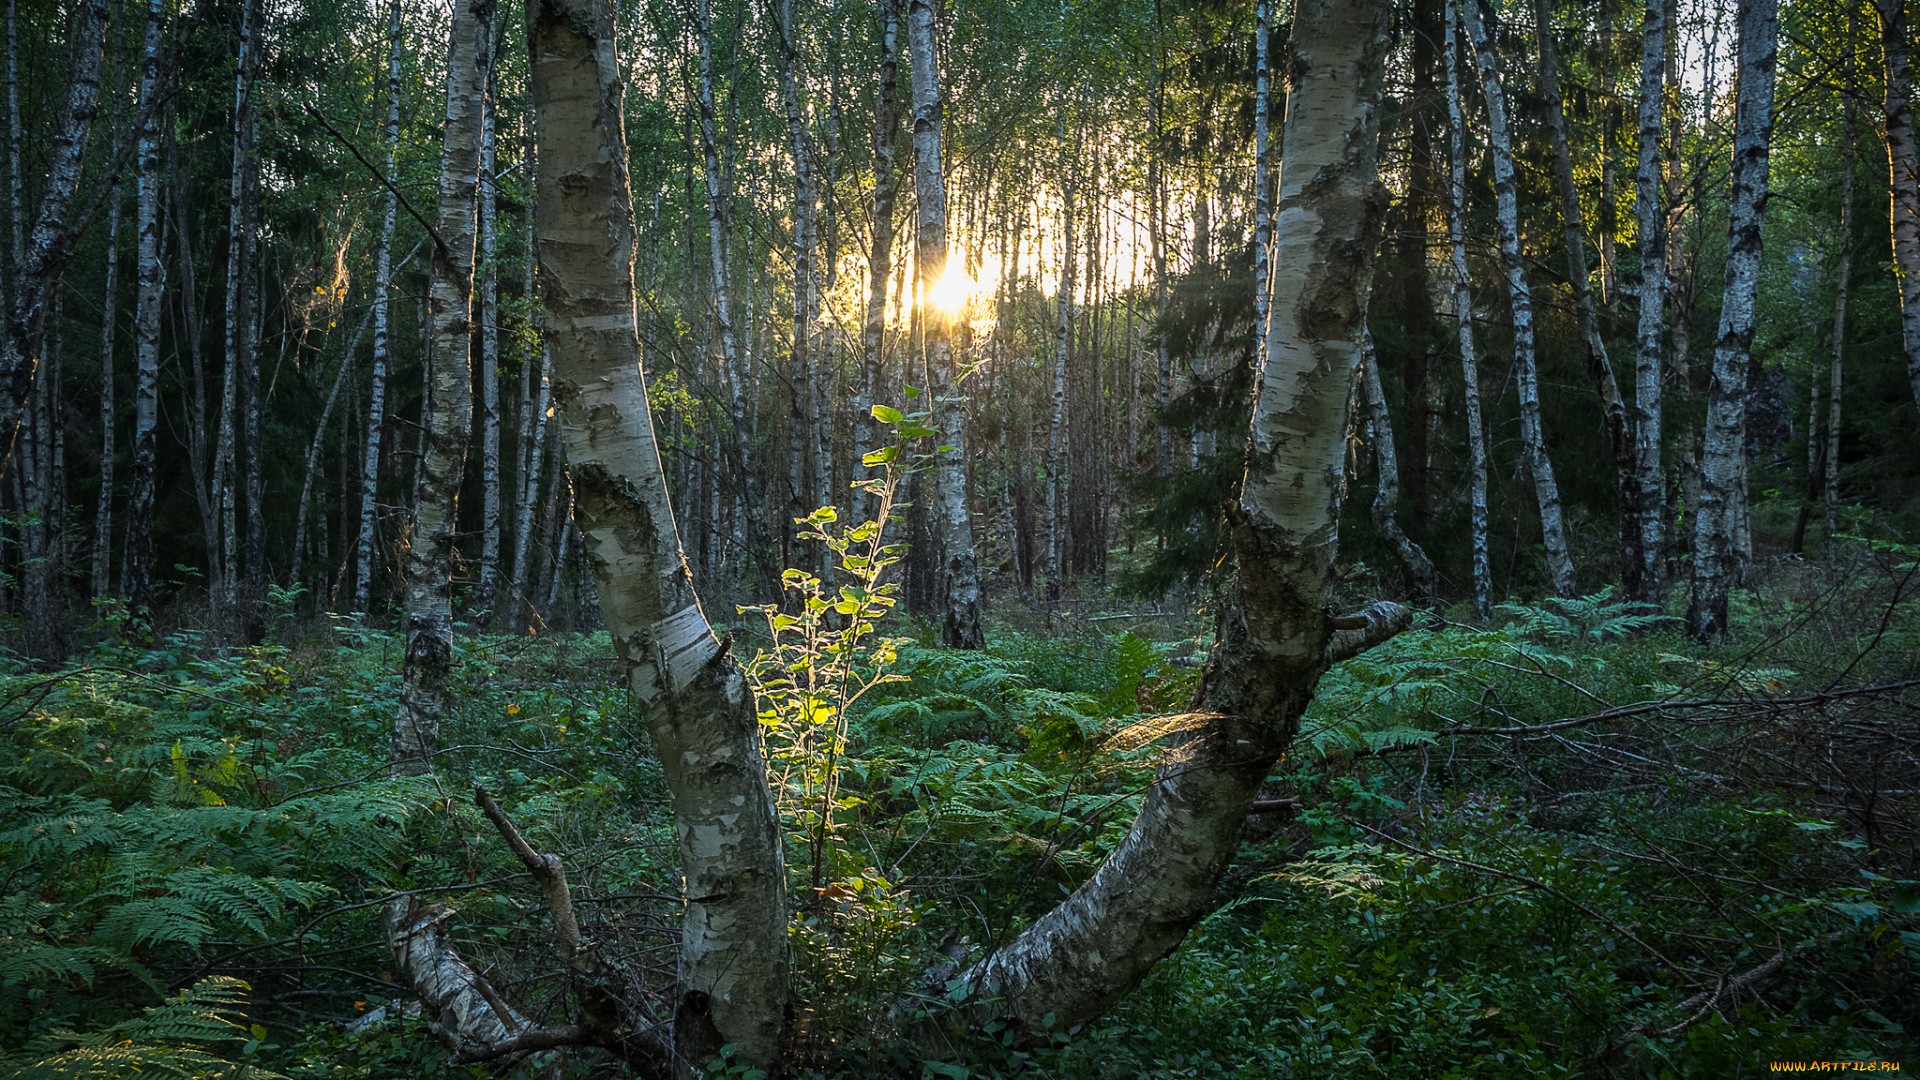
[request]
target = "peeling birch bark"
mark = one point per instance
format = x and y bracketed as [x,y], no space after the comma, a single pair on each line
[1533,438]
[1723,493]
[449,405]
[732,986]
[1273,628]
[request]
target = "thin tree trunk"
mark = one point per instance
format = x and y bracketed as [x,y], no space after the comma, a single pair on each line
[137,565]
[1057,423]
[960,625]
[1722,467]
[237,356]
[367,550]
[732,985]
[37,268]
[487,589]
[1463,313]
[1386,499]
[109,314]
[1643,582]
[1553,527]
[1843,279]
[1274,636]
[1903,163]
[430,555]
[1262,186]
[533,438]
[1613,407]
[800,438]
[886,190]
[1157,242]
[319,443]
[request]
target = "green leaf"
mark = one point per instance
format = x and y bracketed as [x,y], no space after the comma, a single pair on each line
[1906,898]
[915,431]
[887,414]
[883,456]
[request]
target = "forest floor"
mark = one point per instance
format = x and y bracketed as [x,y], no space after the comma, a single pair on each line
[1566,842]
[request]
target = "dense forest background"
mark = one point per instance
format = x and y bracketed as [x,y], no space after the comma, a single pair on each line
[1636,797]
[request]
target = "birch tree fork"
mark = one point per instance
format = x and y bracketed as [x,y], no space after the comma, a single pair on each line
[960,610]
[1722,465]
[1274,636]
[732,985]
[431,549]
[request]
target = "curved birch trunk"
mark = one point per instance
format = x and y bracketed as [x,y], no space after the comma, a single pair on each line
[1386,499]
[960,608]
[367,547]
[732,985]
[137,566]
[1274,632]
[1642,582]
[1463,313]
[449,406]
[1533,438]
[1903,163]
[1723,493]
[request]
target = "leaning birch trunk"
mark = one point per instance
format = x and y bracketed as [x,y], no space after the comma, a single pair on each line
[732,986]
[50,244]
[1723,458]
[1903,162]
[1386,499]
[1599,368]
[1843,278]
[109,311]
[1463,312]
[1642,583]
[487,589]
[1274,636]
[366,548]
[136,567]
[960,626]
[886,190]
[449,404]
[1553,529]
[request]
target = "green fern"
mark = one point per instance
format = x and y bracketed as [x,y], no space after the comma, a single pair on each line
[176,1038]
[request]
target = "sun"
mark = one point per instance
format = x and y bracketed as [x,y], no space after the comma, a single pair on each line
[951,294]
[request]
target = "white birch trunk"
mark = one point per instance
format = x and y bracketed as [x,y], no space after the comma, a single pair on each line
[1386,499]
[448,406]
[367,547]
[1533,437]
[732,986]
[886,190]
[1463,313]
[136,567]
[1723,492]
[109,314]
[960,625]
[1056,503]
[800,436]
[1274,633]
[1830,488]
[1643,581]
[1262,185]
[1903,176]
[487,589]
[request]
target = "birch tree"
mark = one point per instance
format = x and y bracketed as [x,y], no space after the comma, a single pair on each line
[1274,636]
[1533,438]
[1903,176]
[960,626]
[1843,276]
[732,980]
[1386,499]
[1463,313]
[366,548]
[487,588]
[137,567]
[1723,459]
[1641,576]
[448,406]
[886,191]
